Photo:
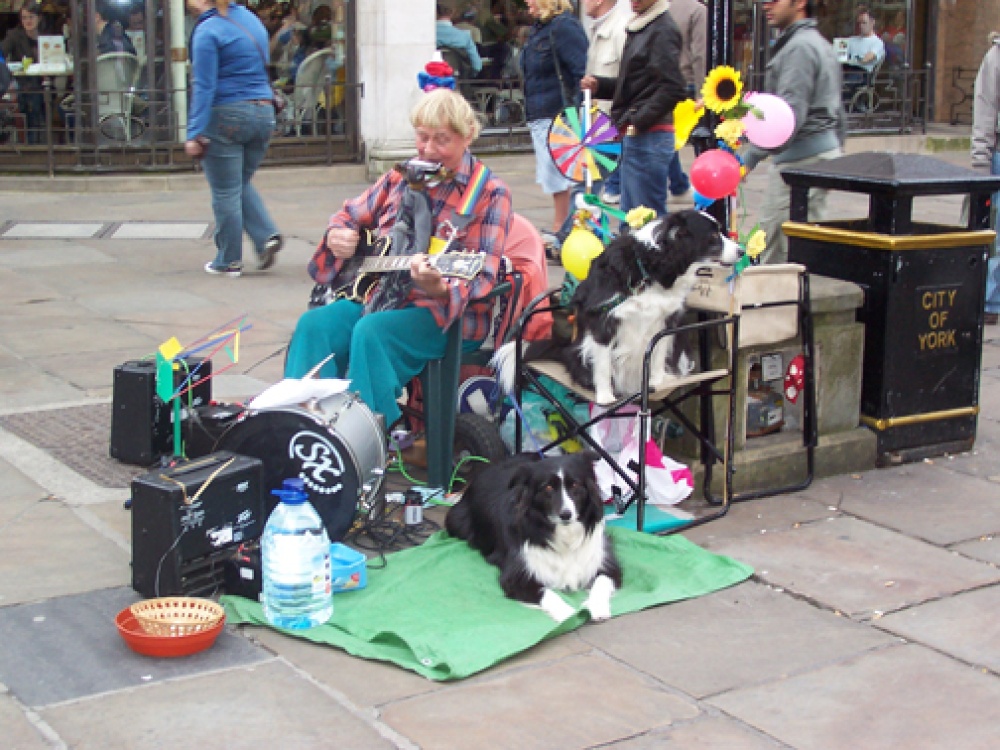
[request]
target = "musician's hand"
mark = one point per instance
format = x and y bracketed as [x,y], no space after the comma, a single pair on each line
[426,277]
[342,242]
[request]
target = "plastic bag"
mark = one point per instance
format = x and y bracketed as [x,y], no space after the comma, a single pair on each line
[667,481]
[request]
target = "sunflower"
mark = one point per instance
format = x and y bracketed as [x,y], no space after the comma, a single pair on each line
[731,131]
[722,89]
[686,116]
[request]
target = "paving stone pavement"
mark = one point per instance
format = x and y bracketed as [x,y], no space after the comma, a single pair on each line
[870,621]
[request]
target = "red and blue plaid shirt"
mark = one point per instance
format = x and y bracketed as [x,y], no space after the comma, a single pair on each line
[376,209]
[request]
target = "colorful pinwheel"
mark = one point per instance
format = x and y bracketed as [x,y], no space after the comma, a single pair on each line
[579,148]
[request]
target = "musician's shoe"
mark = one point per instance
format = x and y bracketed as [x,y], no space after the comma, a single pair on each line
[233,270]
[272,247]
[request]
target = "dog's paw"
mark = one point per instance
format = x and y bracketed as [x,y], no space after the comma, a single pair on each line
[604,396]
[599,601]
[556,607]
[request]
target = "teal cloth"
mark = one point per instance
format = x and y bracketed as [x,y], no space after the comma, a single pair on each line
[438,610]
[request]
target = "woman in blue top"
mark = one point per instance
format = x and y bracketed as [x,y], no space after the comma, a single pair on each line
[552,61]
[229,127]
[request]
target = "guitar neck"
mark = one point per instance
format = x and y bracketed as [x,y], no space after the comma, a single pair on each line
[386,263]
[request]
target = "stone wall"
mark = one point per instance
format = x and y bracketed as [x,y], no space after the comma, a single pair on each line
[962,31]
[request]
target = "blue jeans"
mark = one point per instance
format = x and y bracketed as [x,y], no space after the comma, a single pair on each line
[645,168]
[679,182]
[239,135]
[993,267]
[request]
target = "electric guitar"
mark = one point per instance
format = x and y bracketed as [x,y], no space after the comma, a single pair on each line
[360,272]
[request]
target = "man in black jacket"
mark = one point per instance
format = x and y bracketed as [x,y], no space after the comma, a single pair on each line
[648,87]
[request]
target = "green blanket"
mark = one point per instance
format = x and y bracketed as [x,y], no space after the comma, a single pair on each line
[437,609]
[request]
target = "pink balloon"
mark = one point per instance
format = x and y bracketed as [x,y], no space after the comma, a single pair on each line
[778,123]
[715,174]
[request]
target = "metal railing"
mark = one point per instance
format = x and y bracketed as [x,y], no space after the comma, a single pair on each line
[137,130]
[895,100]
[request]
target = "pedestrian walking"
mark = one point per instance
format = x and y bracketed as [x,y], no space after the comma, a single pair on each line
[229,128]
[643,95]
[553,61]
[692,19]
[803,70]
[986,152]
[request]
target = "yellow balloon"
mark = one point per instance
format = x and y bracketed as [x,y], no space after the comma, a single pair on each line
[579,249]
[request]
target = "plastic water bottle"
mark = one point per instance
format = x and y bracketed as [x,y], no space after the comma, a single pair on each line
[295,551]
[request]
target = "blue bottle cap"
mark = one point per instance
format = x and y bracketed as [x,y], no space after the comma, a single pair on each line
[291,497]
[294,483]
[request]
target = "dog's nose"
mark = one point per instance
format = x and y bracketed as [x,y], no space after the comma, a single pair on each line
[566,515]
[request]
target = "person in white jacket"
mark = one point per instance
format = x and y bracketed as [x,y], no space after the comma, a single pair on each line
[986,151]
[606,33]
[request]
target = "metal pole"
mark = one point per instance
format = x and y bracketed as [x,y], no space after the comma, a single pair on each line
[178,67]
[719,51]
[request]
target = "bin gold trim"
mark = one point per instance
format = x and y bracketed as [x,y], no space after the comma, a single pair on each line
[931,416]
[853,238]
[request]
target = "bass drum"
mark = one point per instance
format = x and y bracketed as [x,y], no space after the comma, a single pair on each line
[336,448]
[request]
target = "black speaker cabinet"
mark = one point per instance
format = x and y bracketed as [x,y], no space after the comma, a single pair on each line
[141,424]
[188,520]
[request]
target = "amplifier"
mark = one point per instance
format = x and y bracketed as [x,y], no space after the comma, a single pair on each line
[141,424]
[187,521]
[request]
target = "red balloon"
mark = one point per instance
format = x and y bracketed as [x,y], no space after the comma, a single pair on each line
[715,173]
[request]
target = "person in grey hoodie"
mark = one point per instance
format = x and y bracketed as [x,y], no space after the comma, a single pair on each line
[986,151]
[803,70]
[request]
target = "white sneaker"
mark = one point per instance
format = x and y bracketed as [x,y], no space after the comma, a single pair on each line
[612,199]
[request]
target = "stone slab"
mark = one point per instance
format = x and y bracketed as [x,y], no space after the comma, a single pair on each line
[557,704]
[926,501]
[901,697]
[47,551]
[371,683]
[58,255]
[704,733]
[61,336]
[68,648]
[986,548]
[964,626]
[23,385]
[19,732]
[730,639]
[264,706]
[761,516]
[46,230]
[151,230]
[121,303]
[857,568]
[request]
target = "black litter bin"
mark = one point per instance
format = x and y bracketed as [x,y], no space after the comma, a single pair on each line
[924,289]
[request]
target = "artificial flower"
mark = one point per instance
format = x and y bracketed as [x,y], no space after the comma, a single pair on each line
[639,216]
[731,131]
[686,115]
[722,89]
[756,243]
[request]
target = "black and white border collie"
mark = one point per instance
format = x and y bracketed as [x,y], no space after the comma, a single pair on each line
[635,288]
[541,522]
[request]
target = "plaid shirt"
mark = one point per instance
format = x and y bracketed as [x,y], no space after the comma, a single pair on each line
[376,209]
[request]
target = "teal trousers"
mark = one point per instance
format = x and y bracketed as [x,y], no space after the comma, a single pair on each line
[380,353]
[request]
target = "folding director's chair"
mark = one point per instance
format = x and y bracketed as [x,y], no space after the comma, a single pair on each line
[722,312]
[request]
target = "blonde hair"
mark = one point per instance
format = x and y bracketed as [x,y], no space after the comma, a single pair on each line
[443,108]
[549,8]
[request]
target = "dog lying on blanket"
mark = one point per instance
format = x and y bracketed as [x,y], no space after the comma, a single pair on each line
[635,288]
[541,522]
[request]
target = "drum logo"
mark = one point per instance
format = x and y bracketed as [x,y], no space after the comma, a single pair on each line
[322,466]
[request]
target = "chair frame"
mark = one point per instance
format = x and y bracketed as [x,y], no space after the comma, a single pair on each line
[704,386]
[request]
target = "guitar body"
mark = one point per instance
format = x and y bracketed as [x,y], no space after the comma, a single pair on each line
[361,271]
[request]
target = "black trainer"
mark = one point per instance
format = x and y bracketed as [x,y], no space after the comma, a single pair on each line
[271,248]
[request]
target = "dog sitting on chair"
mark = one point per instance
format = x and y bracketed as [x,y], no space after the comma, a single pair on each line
[541,522]
[635,288]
